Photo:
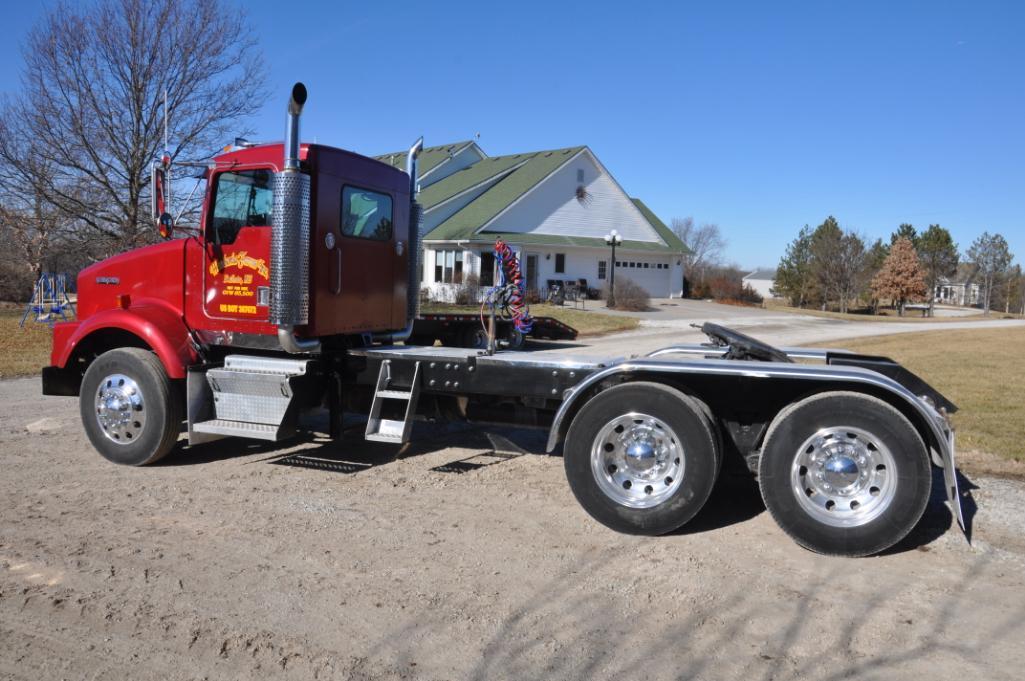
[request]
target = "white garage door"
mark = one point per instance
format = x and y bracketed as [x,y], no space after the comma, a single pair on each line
[651,275]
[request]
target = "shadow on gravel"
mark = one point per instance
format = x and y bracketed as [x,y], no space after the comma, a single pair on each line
[765,627]
[352,453]
[735,499]
[938,518]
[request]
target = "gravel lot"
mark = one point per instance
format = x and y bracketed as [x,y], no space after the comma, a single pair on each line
[371,563]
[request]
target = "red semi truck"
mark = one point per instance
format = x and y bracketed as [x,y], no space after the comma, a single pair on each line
[299,293]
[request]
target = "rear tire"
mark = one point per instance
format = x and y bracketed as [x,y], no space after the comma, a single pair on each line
[131,411]
[515,339]
[844,474]
[641,458]
[474,336]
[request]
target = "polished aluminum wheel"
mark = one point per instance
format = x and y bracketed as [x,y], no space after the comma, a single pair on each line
[844,477]
[120,409]
[637,460]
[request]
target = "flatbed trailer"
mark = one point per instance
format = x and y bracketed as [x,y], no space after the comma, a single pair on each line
[466,330]
[243,328]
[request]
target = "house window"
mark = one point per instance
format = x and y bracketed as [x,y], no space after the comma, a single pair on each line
[560,263]
[487,268]
[645,265]
[601,269]
[448,267]
[366,214]
[580,175]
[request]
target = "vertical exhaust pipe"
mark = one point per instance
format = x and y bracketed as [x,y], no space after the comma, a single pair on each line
[415,252]
[290,239]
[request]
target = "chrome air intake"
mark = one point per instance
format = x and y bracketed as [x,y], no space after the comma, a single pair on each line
[290,239]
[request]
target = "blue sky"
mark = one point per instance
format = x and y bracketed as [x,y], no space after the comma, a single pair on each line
[758,116]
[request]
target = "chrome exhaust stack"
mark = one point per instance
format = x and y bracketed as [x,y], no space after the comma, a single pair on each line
[290,239]
[415,252]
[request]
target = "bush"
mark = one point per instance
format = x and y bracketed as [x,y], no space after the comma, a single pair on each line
[468,292]
[629,296]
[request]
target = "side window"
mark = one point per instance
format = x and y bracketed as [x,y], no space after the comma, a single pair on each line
[560,263]
[366,214]
[241,199]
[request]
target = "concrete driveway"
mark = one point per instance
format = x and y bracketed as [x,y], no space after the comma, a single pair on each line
[671,322]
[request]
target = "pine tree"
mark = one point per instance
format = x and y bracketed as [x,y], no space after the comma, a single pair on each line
[901,278]
[938,254]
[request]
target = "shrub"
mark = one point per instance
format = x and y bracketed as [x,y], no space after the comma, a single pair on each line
[467,293]
[629,296]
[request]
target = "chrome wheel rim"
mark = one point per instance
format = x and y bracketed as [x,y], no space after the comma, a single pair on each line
[637,460]
[120,409]
[844,477]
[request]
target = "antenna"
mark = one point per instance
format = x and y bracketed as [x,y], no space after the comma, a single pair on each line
[166,151]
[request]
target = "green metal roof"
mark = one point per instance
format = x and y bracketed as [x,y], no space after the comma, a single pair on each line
[429,158]
[536,167]
[458,182]
[511,177]
[667,234]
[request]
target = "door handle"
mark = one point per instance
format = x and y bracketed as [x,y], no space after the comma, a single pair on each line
[336,271]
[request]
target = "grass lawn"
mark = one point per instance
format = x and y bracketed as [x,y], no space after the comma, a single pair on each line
[982,371]
[913,316]
[23,352]
[584,321]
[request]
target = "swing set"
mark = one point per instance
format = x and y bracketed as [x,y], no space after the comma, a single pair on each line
[50,302]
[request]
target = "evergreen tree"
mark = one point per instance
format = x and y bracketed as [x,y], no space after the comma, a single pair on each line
[905,231]
[938,253]
[794,275]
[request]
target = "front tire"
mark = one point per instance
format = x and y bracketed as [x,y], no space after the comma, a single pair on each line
[641,458]
[131,411]
[844,474]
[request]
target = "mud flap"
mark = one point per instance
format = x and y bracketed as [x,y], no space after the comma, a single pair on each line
[950,482]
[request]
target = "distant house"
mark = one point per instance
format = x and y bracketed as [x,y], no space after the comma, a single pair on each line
[961,289]
[762,280]
[552,207]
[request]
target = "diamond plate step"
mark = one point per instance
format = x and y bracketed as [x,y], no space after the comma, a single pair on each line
[258,431]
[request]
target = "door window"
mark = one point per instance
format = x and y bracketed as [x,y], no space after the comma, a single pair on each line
[366,214]
[241,199]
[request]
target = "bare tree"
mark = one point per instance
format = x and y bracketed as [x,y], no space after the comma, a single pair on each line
[92,103]
[990,254]
[706,245]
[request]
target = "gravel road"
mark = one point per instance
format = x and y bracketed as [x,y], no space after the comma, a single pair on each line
[351,560]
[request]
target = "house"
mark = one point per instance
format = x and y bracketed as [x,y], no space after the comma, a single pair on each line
[961,289]
[762,281]
[552,207]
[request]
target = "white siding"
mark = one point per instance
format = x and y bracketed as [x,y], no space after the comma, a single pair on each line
[761,286]
[581,263]
[552,207]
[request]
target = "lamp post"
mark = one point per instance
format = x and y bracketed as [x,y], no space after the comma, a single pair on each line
[613,239]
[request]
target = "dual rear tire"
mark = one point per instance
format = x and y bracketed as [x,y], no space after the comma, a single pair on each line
[842,473]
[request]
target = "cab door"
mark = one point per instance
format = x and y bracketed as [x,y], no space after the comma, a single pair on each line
[236,265]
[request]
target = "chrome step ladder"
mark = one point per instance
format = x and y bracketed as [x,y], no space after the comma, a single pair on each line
[392,430]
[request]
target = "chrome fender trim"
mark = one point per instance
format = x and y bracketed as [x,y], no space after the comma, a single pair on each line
[942,435]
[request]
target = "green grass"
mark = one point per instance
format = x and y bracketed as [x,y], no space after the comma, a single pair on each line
[587,323]
[23,352]
[982,371]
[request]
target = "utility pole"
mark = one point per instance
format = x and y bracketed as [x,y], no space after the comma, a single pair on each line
[613,239]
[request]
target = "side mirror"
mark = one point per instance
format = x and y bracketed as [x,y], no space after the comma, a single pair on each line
[159,193]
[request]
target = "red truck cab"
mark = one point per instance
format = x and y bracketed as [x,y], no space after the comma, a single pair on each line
[212,289]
